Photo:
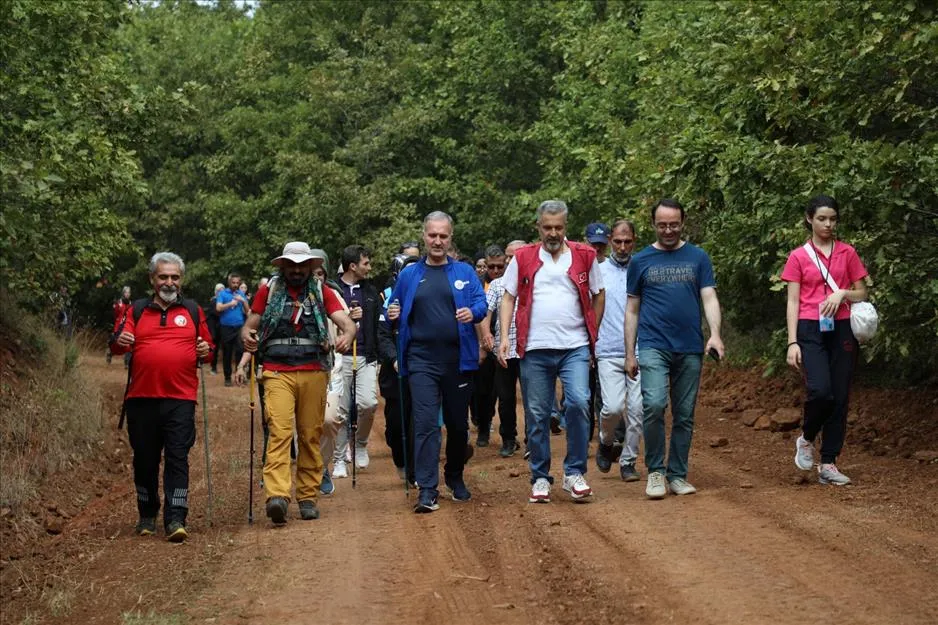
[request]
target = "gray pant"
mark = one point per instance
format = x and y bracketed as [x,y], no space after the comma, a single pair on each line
[622,400]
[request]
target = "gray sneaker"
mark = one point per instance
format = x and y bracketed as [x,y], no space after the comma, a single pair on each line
[680,486]
[628,473]
[829,474]
[804,454]
[657,486]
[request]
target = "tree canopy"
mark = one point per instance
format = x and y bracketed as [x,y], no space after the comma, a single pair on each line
[220,132]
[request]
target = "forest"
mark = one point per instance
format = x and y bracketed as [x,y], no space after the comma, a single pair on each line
[220,130]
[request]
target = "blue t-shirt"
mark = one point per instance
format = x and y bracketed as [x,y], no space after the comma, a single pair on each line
[669,284]
[434,331]
[234,316]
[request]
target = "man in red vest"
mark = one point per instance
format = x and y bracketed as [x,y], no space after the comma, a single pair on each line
[559,292]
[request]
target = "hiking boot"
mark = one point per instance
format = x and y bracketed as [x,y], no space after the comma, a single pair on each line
[804,454]
[277,510]
[470,452]
[458,488]
[176,532]
[146,526]
[577,487]
[308,510]
[327,486]
[509,448]
[657,486]
[604,458]
[628,473]
[540,491]
[482,441]
[829,474]
[339,470]
[361,456]
[426,502]
[680,486]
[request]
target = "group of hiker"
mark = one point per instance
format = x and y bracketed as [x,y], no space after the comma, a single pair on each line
[449,337]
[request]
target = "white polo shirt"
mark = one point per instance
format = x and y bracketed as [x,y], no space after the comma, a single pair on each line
[556,317]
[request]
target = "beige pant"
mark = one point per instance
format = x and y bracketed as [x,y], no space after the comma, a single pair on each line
[335,437]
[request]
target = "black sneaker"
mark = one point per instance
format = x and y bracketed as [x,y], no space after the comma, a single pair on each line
[308,510]
[426,502]
[527,453]
[509,447]
[458,488]
[470,452]
[482,441]
[176,532]
[146,526]
[228,383]
[604,458]
[277,510]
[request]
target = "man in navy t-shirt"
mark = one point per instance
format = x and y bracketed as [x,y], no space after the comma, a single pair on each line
[669,284]
[436,302]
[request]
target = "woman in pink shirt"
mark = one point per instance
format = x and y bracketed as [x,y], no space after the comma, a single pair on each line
[820,342]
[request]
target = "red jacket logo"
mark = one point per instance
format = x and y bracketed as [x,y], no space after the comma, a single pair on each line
[582,277]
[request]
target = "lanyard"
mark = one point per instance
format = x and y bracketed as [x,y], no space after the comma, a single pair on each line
[817,260]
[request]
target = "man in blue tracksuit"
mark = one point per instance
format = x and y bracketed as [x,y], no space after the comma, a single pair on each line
[436,301]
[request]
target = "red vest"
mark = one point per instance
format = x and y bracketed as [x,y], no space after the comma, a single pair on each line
[529,261]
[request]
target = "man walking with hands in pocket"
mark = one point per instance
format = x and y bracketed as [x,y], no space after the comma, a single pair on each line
[669,284]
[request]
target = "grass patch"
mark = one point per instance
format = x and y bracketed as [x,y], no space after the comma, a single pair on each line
[152,618]
[50,415]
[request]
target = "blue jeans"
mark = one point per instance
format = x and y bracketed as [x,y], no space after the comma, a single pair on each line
[540,370]
[658,368]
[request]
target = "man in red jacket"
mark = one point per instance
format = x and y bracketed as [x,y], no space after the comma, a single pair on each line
[166,344]
[559,291]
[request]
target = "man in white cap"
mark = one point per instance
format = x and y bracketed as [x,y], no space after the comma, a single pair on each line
[288,328]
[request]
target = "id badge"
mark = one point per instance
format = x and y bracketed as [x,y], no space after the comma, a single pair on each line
[826,323]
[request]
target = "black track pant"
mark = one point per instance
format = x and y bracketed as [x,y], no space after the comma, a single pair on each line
[827,361]
[158,429]
[506,388]
[484,396]
[394,430]
[231,348]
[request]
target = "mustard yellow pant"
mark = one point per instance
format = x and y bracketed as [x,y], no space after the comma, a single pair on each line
[298,396]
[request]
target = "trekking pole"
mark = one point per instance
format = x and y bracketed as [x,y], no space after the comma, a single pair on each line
[353,409]
[404,419]
[208,466]
[251,459]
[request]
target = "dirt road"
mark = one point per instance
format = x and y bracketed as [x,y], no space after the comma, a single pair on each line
[753,546]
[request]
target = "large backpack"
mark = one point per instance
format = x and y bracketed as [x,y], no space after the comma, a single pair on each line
[137,311]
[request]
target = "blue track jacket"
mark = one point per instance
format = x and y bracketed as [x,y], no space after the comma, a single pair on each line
[467,293]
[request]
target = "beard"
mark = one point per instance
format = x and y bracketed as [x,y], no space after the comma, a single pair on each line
[295,280]
[553,245]
[169,294]
[622,260]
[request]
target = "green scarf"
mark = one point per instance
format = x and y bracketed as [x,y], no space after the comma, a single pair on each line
[277,299]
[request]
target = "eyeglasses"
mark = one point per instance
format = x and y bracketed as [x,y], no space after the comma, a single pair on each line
[665,227]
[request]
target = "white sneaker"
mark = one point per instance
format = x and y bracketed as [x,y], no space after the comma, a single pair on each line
[540,491]
[361,456]
[804,454]
[656,487]
[680,486]
[339,470]
[577,487]
[829,474]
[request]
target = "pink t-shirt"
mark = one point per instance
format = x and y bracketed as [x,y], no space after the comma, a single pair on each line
[845,268]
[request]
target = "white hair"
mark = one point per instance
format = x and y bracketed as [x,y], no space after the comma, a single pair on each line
[552,207]
[437,216]
[168,258]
